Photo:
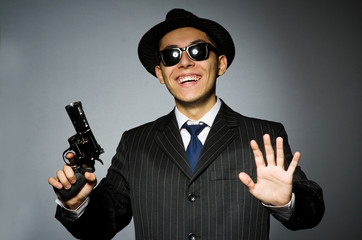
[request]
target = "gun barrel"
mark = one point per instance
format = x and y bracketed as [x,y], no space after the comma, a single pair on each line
[76,114]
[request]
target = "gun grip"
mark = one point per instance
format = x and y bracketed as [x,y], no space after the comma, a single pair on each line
[66,194]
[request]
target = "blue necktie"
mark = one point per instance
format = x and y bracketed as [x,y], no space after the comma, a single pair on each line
[194,148]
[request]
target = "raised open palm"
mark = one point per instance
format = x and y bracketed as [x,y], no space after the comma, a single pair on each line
[274,183]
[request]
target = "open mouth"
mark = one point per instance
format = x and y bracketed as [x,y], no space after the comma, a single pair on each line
[186,79]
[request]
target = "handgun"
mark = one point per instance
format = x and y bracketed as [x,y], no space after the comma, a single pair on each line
[83,146]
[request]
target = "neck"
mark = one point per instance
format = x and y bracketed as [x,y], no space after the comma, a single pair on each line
[195,110]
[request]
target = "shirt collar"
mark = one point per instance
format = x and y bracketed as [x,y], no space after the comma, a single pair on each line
[208,118]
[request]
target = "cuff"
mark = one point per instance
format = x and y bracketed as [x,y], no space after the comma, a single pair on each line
[71,214]
[284,211]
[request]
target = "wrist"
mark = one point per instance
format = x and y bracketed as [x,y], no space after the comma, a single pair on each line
[72,205]
[72,208]
[285,205]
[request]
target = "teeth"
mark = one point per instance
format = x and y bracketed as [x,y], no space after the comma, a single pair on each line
[188,79]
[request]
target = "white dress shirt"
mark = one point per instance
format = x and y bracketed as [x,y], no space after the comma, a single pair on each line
[208,119]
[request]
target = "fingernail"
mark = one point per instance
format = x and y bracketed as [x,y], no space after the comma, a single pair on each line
[67,186]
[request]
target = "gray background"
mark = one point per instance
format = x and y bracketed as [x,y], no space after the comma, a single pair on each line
[298,62]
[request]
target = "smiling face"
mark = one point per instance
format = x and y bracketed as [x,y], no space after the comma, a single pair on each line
[192,83]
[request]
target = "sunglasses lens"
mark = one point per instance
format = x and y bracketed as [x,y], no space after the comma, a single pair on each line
[198,52]
[170,57]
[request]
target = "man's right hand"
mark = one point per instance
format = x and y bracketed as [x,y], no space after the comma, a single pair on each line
[66,177]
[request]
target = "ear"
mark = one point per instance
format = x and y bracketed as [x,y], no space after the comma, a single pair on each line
[223,64]
[159,75]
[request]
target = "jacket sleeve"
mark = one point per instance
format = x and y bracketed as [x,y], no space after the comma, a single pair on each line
[309,204]
[109,209]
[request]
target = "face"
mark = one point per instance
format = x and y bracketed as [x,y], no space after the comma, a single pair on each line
[192,83]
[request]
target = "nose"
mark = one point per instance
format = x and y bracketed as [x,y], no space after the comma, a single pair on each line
[185,60]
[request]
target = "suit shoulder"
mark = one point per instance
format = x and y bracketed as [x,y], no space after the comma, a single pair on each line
[257,127]
[260,121]
[152,125]
[258,124]
[233,117]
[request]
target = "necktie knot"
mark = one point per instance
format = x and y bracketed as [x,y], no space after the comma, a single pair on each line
[194,130]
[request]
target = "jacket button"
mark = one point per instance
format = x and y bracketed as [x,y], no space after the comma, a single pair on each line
[192,197]
[192,236]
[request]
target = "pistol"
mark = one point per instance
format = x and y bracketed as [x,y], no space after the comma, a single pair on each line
[84,147]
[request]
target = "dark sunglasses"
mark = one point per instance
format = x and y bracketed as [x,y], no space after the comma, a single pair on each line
[196,52]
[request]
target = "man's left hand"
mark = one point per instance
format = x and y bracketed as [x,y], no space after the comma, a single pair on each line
[274,183]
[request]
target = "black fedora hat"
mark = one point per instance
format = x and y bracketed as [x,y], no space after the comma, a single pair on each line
[178,18]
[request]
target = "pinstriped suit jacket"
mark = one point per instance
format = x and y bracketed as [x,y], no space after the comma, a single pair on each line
[150,179]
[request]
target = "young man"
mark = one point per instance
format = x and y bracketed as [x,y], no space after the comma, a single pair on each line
[198,172]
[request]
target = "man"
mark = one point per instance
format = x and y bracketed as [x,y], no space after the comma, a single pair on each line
[227,189]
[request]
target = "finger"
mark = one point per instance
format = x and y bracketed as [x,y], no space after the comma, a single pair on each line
[280,152]
[69,155]
[258,155]
[269,151]
[246,180]
[63,179]
[55,183]
[69,173]
[294,163]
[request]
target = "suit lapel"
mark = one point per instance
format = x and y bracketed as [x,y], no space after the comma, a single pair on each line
[220,135]
[169,139]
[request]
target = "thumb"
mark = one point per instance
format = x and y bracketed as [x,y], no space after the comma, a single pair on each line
[88,187]
[91,178]
[246,179]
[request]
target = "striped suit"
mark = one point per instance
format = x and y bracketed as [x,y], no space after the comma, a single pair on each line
[150,179]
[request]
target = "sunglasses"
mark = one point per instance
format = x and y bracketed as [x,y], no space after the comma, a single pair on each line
[196,52]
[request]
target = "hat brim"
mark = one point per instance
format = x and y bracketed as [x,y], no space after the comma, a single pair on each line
[147,48]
